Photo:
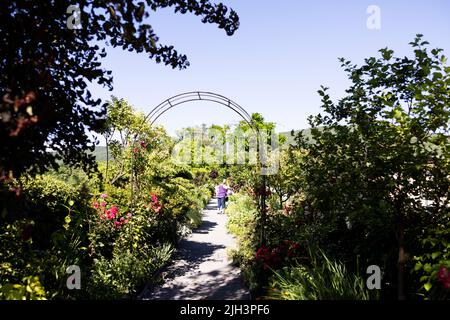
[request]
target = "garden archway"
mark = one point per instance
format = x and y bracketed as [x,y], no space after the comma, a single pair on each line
[186,97]
[205,96]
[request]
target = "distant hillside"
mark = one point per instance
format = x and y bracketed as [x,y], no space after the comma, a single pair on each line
[100,153]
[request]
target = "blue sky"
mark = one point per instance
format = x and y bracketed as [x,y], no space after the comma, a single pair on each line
[277,60]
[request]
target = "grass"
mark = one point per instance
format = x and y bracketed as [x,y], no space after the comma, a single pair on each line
[324,279]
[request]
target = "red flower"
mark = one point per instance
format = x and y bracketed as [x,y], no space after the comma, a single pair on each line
[96,205]
[262,253]
[117,223]
[113,210]
[268,257]
[143,144]
[136,150]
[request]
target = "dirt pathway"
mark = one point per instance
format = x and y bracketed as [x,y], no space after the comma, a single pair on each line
[201,269]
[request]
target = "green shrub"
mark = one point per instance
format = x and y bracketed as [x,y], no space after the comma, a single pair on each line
[127,272]
[241,223]
[29,289]
[61,222]
[47,200]
[241,215]
[194,218]
[432,267]
[51,237]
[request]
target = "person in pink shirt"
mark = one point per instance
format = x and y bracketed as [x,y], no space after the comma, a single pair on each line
[221,193]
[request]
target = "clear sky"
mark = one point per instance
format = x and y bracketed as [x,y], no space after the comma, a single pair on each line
[276,61]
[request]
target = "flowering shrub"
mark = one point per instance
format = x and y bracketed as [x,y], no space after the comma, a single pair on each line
[155,205]
[118,239]
[443,276]
[433,267]
[112,214]
[139,155]
[285,253]
[269,258]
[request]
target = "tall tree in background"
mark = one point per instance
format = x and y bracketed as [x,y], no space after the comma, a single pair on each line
[46,109]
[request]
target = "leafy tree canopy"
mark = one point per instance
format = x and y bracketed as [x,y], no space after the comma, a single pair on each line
[379,157]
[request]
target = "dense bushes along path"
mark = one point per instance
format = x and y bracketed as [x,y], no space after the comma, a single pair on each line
[201,269]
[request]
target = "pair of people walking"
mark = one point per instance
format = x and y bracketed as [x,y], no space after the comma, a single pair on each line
[222,193]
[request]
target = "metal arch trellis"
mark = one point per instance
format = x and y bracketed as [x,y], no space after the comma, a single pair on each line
[186,97]
[192,96]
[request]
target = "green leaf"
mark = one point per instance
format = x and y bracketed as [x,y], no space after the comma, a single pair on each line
[387,54]
[418,266]
[398,114]
[434,255]
[71,203]
[427,286]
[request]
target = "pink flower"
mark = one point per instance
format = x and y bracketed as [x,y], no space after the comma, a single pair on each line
[126,221]
[104,195]
[113,209]
[444,277]
[157,207]
[117,223]
[143,144]
[442,274]
[111,215]
[129,215]
[121,219]
[154,197]
[103,204]
[96,205]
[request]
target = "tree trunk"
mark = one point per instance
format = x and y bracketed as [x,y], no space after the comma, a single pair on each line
[401,262]
[263,211]
[107,159]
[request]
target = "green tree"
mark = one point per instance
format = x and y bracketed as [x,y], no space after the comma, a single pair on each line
[288,180]
[377,166]
[46,109]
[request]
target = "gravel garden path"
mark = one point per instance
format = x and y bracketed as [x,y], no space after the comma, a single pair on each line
[201,269]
